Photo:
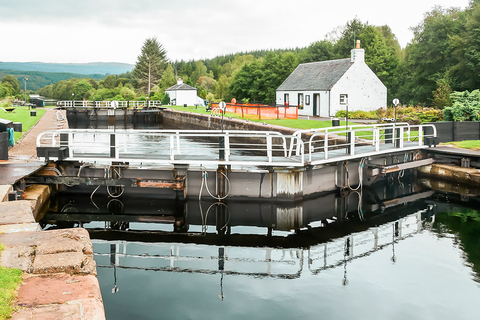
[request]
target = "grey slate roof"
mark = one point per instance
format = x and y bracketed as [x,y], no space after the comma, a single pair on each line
[181,86]
[318,76]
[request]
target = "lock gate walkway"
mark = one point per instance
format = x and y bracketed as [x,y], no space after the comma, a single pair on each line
[234,148]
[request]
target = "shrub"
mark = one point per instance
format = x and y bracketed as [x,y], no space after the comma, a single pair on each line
[466,106]
[166,99]
[410,114]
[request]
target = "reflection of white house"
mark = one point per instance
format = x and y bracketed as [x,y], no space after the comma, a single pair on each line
[325,87]
[181,94]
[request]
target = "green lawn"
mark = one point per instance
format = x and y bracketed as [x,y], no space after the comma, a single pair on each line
[466,144]
[10,278]
[22,114]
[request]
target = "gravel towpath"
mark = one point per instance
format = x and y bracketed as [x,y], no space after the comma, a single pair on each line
[26,148]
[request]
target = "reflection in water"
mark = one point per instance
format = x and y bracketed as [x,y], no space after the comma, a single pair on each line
[289,260]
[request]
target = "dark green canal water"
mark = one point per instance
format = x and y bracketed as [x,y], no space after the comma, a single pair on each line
[400,253]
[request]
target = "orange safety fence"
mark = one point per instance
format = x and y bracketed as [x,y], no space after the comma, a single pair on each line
[258,111]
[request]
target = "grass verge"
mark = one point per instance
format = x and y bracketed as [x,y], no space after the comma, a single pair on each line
[10,278]
[22,114]
[466,144]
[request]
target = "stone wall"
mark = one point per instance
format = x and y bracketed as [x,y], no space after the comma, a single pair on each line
[190,120]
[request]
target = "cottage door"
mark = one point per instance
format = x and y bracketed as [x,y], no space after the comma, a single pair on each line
[316,103]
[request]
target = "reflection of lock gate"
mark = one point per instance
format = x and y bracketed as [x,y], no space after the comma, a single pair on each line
[257,262]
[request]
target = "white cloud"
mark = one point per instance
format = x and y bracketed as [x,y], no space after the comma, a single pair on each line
[107,30]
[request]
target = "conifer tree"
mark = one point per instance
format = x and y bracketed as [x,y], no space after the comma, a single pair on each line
[150,64]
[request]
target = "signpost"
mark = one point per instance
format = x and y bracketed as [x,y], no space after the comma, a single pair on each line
[222,106]
[395,103]
[221,154]
[396,132]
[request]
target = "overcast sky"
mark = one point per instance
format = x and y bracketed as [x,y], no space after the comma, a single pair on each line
[80,31]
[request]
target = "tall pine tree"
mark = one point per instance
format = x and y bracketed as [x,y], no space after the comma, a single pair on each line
[150,64]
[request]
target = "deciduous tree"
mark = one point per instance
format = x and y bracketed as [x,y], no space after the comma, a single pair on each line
[81,88]
[14,83]
[168,78]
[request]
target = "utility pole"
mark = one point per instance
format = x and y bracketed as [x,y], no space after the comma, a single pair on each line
[25,89]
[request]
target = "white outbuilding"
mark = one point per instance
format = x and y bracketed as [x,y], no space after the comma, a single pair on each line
[325,87]
[182,94]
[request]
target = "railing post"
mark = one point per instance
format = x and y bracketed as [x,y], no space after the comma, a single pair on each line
[227,147]
[325,146]
[172,147]
[299,146]
[269,147]
[70,142]
[376,132]
[177,135]
[420,136]
[352,142]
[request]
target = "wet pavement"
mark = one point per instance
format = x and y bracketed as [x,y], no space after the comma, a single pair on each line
[13,171]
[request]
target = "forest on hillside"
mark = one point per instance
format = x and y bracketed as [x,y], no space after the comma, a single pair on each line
[442,57]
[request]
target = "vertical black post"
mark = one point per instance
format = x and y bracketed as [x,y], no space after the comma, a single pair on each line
[221,194]
[347,134]
[63,139]
[221,221]
[221,148]
[113,252]
[397,137]
[346,119]
[112,145]
[349,141]
[221,259]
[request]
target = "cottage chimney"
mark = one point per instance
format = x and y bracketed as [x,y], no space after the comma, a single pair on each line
[357,54]
[179,81]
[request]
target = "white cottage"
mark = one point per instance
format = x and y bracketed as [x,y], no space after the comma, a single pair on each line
[325,87]
[181,94]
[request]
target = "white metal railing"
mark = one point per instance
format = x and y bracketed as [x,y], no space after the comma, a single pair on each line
[237,147]
[108,104]
[323,143]
[173,146]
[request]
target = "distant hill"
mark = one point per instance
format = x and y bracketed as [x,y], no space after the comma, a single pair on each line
[79,68]
[37,80]
[40,74]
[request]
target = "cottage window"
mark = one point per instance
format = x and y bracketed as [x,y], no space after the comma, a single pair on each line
[300,100]
[344,99]
[286,99]
[307,99]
